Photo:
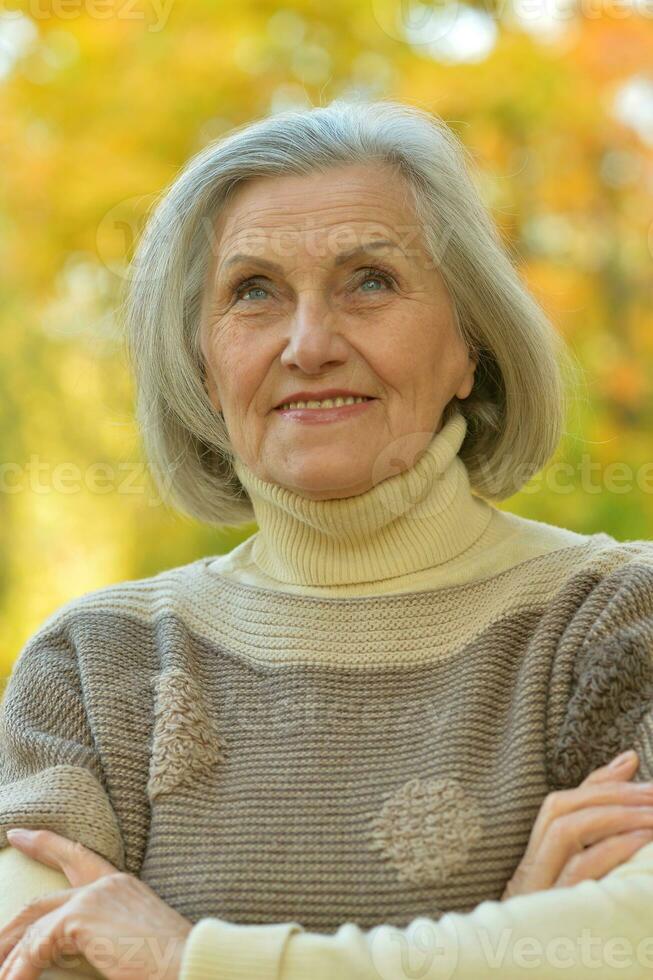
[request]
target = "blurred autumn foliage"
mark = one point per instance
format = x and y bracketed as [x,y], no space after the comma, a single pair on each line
[101,104]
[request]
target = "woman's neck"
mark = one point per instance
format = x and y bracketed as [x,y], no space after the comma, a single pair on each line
[423,516]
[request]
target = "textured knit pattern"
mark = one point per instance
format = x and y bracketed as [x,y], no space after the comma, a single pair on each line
[50,771]
[264,757]
[351,720]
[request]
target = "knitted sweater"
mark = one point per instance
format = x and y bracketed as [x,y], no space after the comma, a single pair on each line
[327,748]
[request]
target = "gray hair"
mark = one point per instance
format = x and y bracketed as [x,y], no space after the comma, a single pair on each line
[517,408]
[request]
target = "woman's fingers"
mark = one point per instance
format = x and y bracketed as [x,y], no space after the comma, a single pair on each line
[42,945]
[15,928]
[605,808]
[594,823]
[569,800]
[91,924]
[567,836]
[80,865]
[622,767]
[599,859]
[602,791]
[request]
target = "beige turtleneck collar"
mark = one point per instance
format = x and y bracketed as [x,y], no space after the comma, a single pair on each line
[422,517]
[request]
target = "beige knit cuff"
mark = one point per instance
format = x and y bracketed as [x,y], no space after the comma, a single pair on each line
[68,800]
[234,952]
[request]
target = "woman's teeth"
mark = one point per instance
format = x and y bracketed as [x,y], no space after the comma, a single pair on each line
[327,403]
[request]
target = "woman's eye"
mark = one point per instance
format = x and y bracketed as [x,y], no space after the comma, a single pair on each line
[372,274]
[247,286]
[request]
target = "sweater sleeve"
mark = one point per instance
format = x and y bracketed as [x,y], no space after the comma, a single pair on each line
[50,771]
[595,928]
[601,701]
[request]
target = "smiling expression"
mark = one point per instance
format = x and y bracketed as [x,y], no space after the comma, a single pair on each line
[297,300]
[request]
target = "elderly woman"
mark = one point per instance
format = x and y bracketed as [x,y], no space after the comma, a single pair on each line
[379,729]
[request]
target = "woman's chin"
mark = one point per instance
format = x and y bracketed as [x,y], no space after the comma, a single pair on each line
[325,483]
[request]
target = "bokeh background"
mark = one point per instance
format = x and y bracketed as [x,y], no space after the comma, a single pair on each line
[101,104]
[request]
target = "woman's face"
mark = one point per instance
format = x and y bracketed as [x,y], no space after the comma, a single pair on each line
[310,319]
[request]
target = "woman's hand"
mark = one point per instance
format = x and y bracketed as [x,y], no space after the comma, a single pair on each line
[585,832]
[112,919]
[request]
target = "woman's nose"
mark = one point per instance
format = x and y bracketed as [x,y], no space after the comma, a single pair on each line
[313,337]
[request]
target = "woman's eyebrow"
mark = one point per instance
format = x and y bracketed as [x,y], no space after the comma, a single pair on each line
[340,259]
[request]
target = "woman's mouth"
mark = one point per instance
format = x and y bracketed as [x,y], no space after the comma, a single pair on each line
[325,411]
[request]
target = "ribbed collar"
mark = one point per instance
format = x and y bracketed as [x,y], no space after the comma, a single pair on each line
[423,516]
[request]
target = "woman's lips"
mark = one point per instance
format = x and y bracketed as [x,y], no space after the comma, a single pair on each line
[316,415]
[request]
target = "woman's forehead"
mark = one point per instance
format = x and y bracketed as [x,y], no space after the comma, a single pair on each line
[302,205]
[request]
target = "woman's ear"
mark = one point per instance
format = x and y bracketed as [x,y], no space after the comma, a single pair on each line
[467,380]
